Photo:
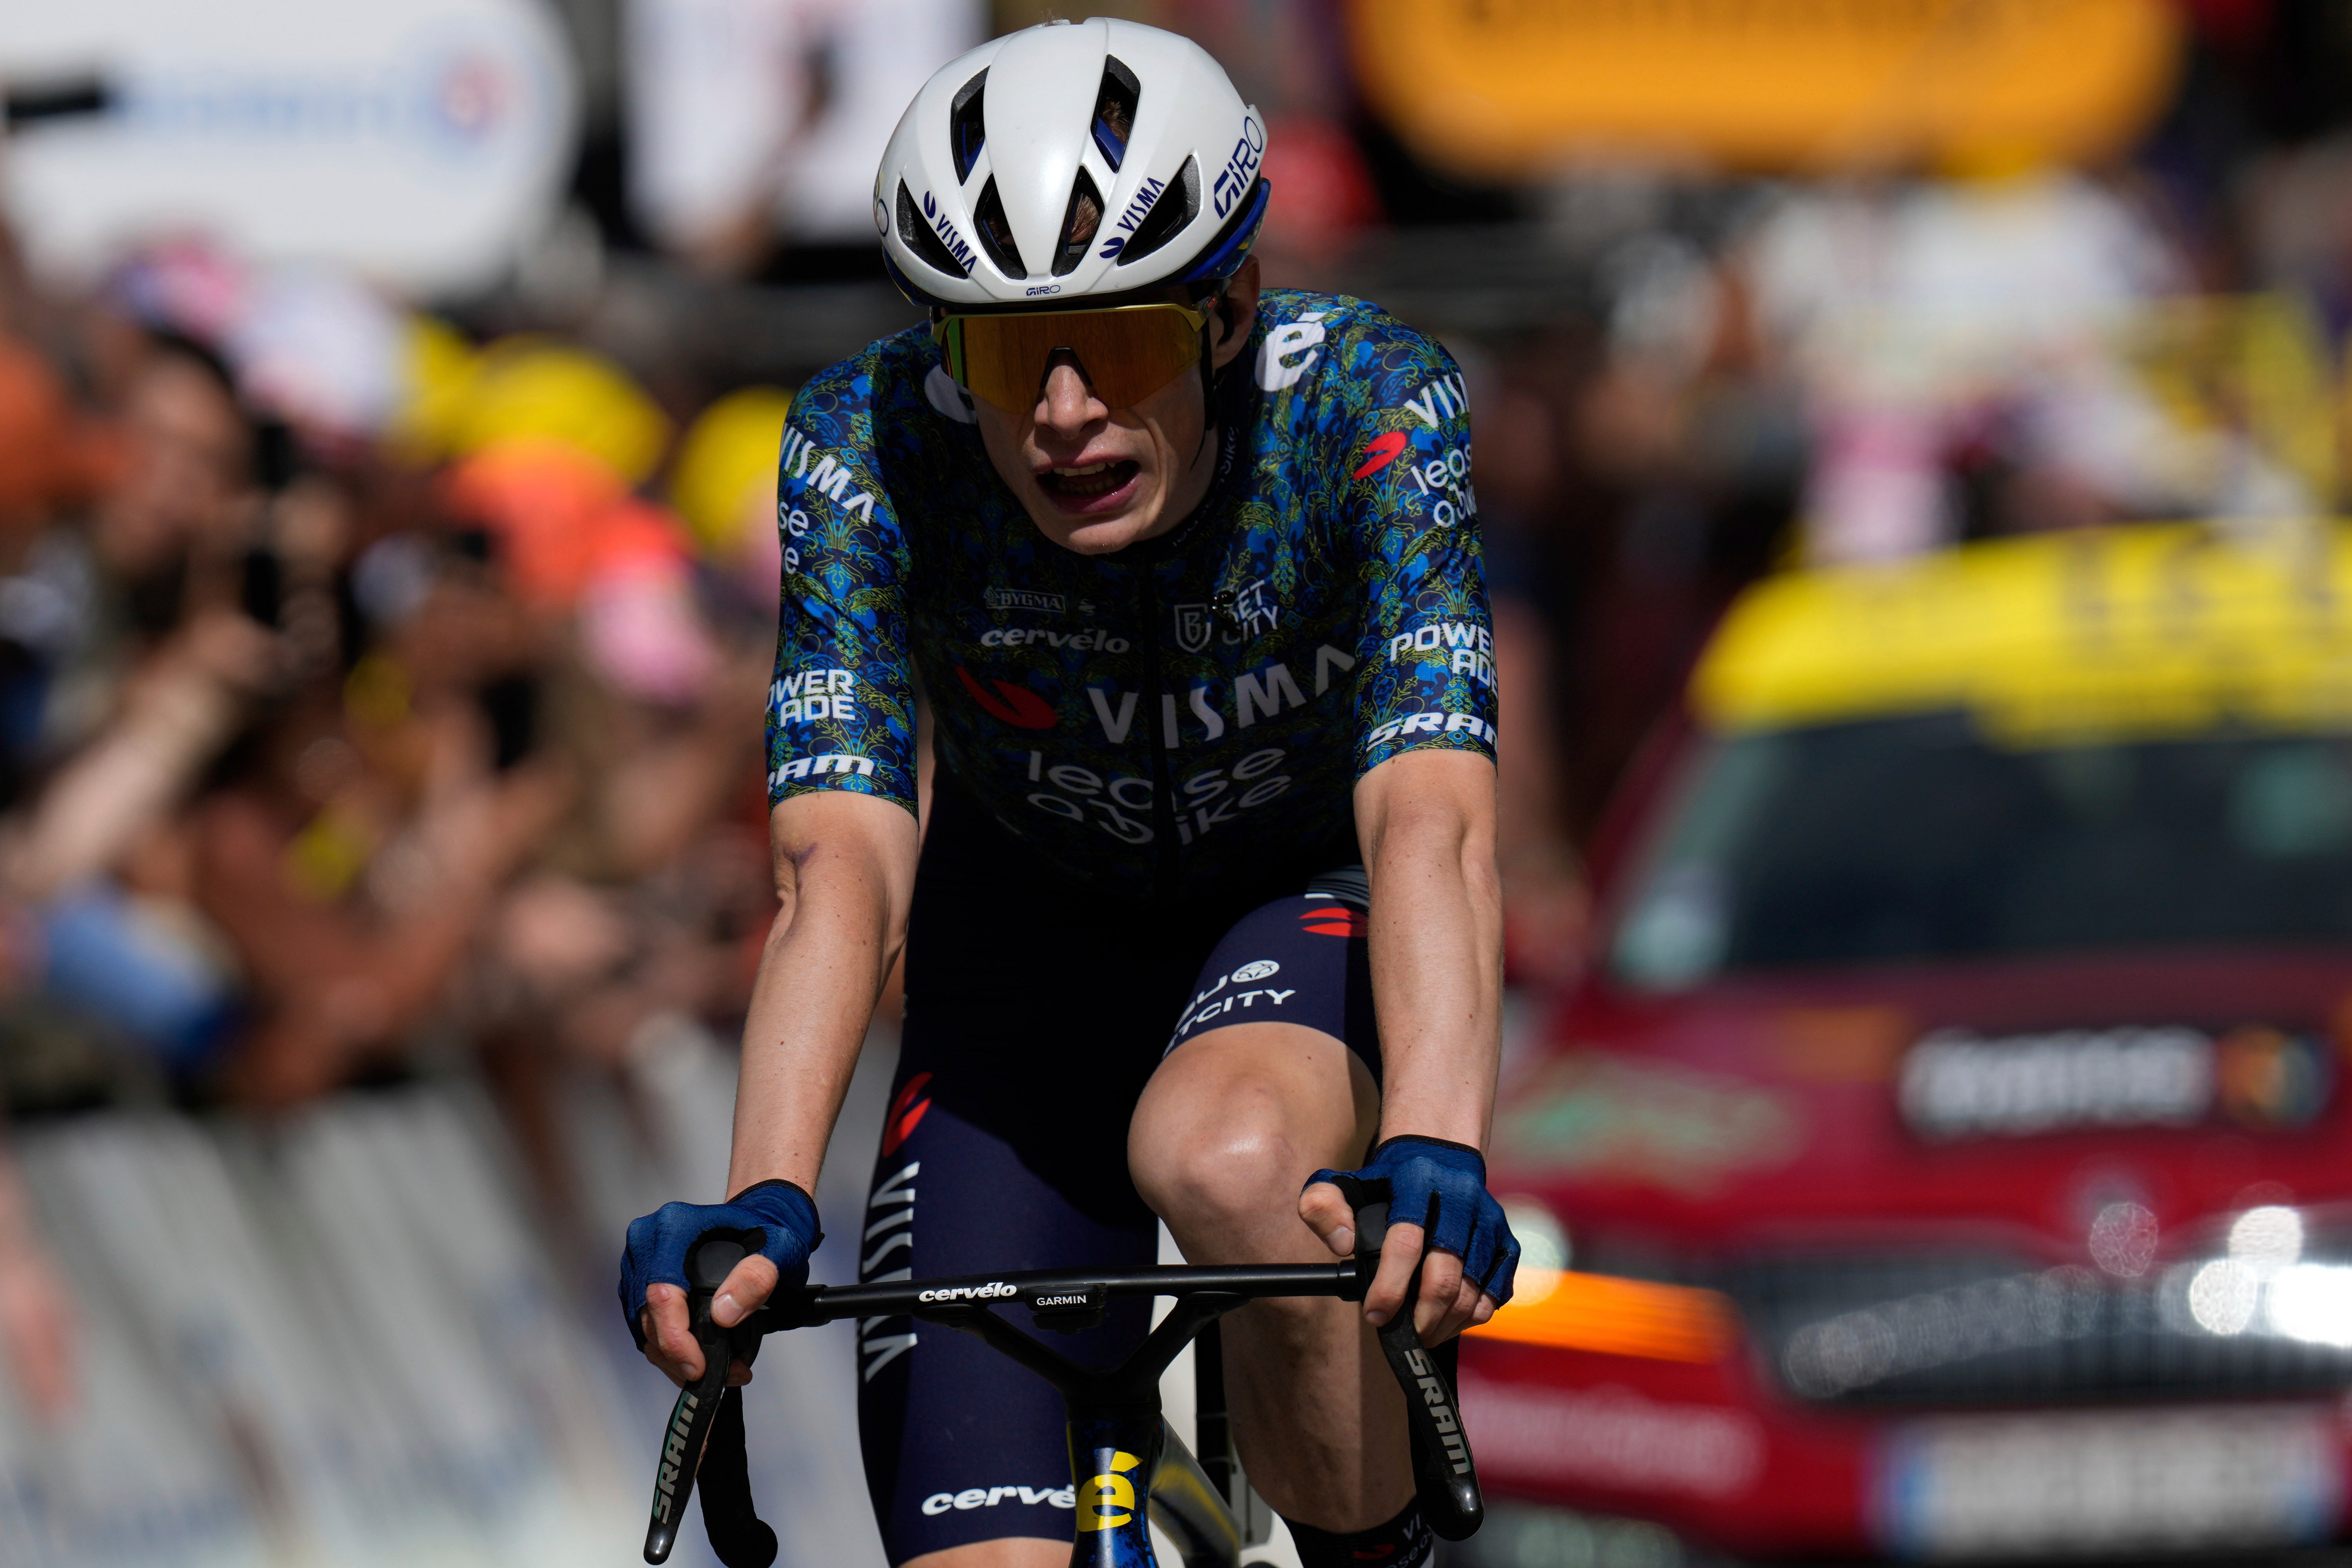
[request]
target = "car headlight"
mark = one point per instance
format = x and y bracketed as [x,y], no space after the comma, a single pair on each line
[1553,1305]
[1544,1249]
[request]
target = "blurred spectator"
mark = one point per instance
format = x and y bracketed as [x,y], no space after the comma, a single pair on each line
[756,122]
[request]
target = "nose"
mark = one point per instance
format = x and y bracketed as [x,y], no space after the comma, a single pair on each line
[1069,404]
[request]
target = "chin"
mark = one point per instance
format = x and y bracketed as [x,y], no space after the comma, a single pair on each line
[1092,535]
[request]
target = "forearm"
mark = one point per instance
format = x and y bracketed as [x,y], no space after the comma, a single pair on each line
[828,953]
[1436,958]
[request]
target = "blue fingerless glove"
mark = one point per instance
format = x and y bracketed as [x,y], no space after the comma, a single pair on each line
[1442,1187]
[779,1213]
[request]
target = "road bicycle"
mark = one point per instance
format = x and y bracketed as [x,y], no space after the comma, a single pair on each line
[1127,1469]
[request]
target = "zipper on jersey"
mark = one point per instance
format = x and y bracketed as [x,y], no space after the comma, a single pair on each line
[1163,806]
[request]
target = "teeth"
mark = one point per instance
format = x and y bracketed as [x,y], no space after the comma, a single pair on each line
[1081,473]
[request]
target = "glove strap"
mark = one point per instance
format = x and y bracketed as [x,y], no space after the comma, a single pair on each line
[1441,1143]
[774,1181]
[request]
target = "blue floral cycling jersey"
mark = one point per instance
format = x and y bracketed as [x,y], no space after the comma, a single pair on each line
[1174,718]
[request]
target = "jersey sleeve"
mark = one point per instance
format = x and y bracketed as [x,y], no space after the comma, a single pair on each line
[841,709]
[1425,661]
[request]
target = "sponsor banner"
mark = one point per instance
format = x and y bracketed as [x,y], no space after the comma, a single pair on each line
[2149,1482]
[1958,1084]
[1504,89]
[423,144]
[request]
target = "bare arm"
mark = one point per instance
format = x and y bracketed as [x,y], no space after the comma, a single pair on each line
[1426,823]
[845,874]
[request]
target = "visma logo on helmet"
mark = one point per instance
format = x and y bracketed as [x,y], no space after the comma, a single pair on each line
[1133,215]
[948,236]
[1235,177]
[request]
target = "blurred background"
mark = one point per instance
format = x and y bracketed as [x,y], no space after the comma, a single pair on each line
[389,398]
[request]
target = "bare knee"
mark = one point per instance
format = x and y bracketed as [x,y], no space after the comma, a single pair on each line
[1230,1164]
[1229,1130]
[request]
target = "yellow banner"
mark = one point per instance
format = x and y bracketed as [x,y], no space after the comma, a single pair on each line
[1506,87]
[2144,632]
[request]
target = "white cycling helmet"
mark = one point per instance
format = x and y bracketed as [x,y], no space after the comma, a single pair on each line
[1070,160]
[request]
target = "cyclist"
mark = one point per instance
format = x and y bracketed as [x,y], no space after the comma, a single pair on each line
[1190,573]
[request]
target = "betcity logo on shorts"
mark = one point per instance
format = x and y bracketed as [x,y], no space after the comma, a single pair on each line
[1216,1002]
[989,1497]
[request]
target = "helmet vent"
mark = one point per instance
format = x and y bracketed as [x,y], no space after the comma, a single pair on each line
[996,233]
[1178,205]
[1079,228]
[916,230]
[1115,111]
[967,131]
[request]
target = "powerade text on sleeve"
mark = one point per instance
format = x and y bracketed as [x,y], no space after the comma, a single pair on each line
[841,711]
[1427,647]
[1178,715]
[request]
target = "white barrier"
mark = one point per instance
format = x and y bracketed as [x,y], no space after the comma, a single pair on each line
[334,1343]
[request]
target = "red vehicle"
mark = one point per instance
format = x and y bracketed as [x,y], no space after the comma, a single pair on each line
[1946,1152]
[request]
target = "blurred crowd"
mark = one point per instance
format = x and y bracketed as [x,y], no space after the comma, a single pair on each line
[358,708]
[380,692]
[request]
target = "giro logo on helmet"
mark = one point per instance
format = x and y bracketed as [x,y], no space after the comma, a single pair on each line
[1234,179]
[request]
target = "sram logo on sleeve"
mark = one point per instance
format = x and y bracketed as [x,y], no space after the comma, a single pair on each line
[1431,724]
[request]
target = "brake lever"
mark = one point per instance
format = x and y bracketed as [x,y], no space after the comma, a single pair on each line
[1444,1473]
[705,1435]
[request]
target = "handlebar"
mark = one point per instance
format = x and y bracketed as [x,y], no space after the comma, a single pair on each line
[704,1438]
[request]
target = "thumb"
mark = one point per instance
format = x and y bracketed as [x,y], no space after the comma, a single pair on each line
[744,1291]
[1325,1209]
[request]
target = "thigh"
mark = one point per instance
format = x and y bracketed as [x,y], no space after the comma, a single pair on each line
[1026,1042]
[962,1445]
[1272,1072]
[1302,960]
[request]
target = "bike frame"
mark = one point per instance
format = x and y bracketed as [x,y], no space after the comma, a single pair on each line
[1127,1470]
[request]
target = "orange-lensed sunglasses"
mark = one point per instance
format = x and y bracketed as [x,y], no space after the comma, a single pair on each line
[1125,353]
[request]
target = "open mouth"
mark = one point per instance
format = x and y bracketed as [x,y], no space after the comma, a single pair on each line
[1088,481]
